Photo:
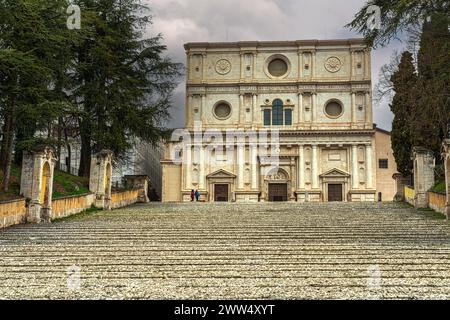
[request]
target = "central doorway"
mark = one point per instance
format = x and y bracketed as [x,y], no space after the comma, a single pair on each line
[335,193]
[221,192]
[278,192]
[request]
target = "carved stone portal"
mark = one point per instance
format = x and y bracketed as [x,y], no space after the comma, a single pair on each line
[36,183]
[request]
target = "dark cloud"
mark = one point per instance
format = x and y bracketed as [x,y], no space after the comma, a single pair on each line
[182,21]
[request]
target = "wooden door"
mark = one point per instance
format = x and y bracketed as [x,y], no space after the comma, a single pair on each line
[335,192]
[221,192]
[278,192]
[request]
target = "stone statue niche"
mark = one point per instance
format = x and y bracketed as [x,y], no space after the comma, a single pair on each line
[101,177]
[36,183]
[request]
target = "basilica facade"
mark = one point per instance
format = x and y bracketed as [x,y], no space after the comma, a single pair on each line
[316,96]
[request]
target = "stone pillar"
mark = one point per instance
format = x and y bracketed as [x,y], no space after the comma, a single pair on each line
[368,108]
[301,167]
[313,64]
[314,107]
[202,164]
[300,109]
[353,108]
[314,165]
[188,167]
[446,156]
[254,164]
[254,107]
[369,167]
[355,177]
[241,109]
[100,178]
[423,175]
[190,111]
[241,165]
[203,108]
[36,183]
[140,182]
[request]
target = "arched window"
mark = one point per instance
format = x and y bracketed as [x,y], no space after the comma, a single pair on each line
[278,115]
[277,112]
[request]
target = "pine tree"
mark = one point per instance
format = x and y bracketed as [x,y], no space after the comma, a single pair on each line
[403,106]
[33,40]
[125,83]
[433,112]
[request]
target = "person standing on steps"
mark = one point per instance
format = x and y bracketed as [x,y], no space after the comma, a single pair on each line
[197,195]
[192,195]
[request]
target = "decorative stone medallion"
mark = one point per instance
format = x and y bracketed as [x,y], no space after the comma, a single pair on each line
[223,66]
[333,64]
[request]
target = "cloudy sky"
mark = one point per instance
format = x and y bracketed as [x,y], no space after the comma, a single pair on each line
[182,21]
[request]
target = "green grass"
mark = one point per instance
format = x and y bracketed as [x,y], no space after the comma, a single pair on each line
[85,214]
[69,185]
[64,185]
[439,187]
[431,214]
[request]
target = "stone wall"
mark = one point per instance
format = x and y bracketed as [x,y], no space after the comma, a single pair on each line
[12,212]
[125,198]
[436,201]
[68,206]
[410,195]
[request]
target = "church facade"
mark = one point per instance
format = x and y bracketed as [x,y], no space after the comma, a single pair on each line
[314,96]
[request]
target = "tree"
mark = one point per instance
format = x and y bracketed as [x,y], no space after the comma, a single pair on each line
[397,18]
[32,42]
[403,106]
[124,82]
[433,114]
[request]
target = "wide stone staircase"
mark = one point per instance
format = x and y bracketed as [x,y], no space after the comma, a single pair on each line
[232,251]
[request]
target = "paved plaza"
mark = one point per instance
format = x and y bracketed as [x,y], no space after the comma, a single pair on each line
[231,251]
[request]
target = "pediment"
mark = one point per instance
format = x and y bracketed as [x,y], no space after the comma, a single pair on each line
[335,173]
[221,174]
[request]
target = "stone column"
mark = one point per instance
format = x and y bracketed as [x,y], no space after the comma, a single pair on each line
[241,109]
[254,111]
[355,177]
[300,108]
[314,107]
[202,165]
[423,175]
[100,179]
[314,165]
[36,183]
[300,63]
[446,156]
[190,111]
[301,167]
[313,64]
[188,166]
[254,164]
[369,167]
[241,165]
[353,108]
[368,108]
[203,108]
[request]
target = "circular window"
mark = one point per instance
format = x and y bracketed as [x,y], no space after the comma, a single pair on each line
[222,110]
[333,109]
[278,67]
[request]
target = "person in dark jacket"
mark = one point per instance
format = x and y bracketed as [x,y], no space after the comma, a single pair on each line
[197,195]
[192,195]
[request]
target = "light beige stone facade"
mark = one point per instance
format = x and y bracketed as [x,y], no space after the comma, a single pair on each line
[316,95]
